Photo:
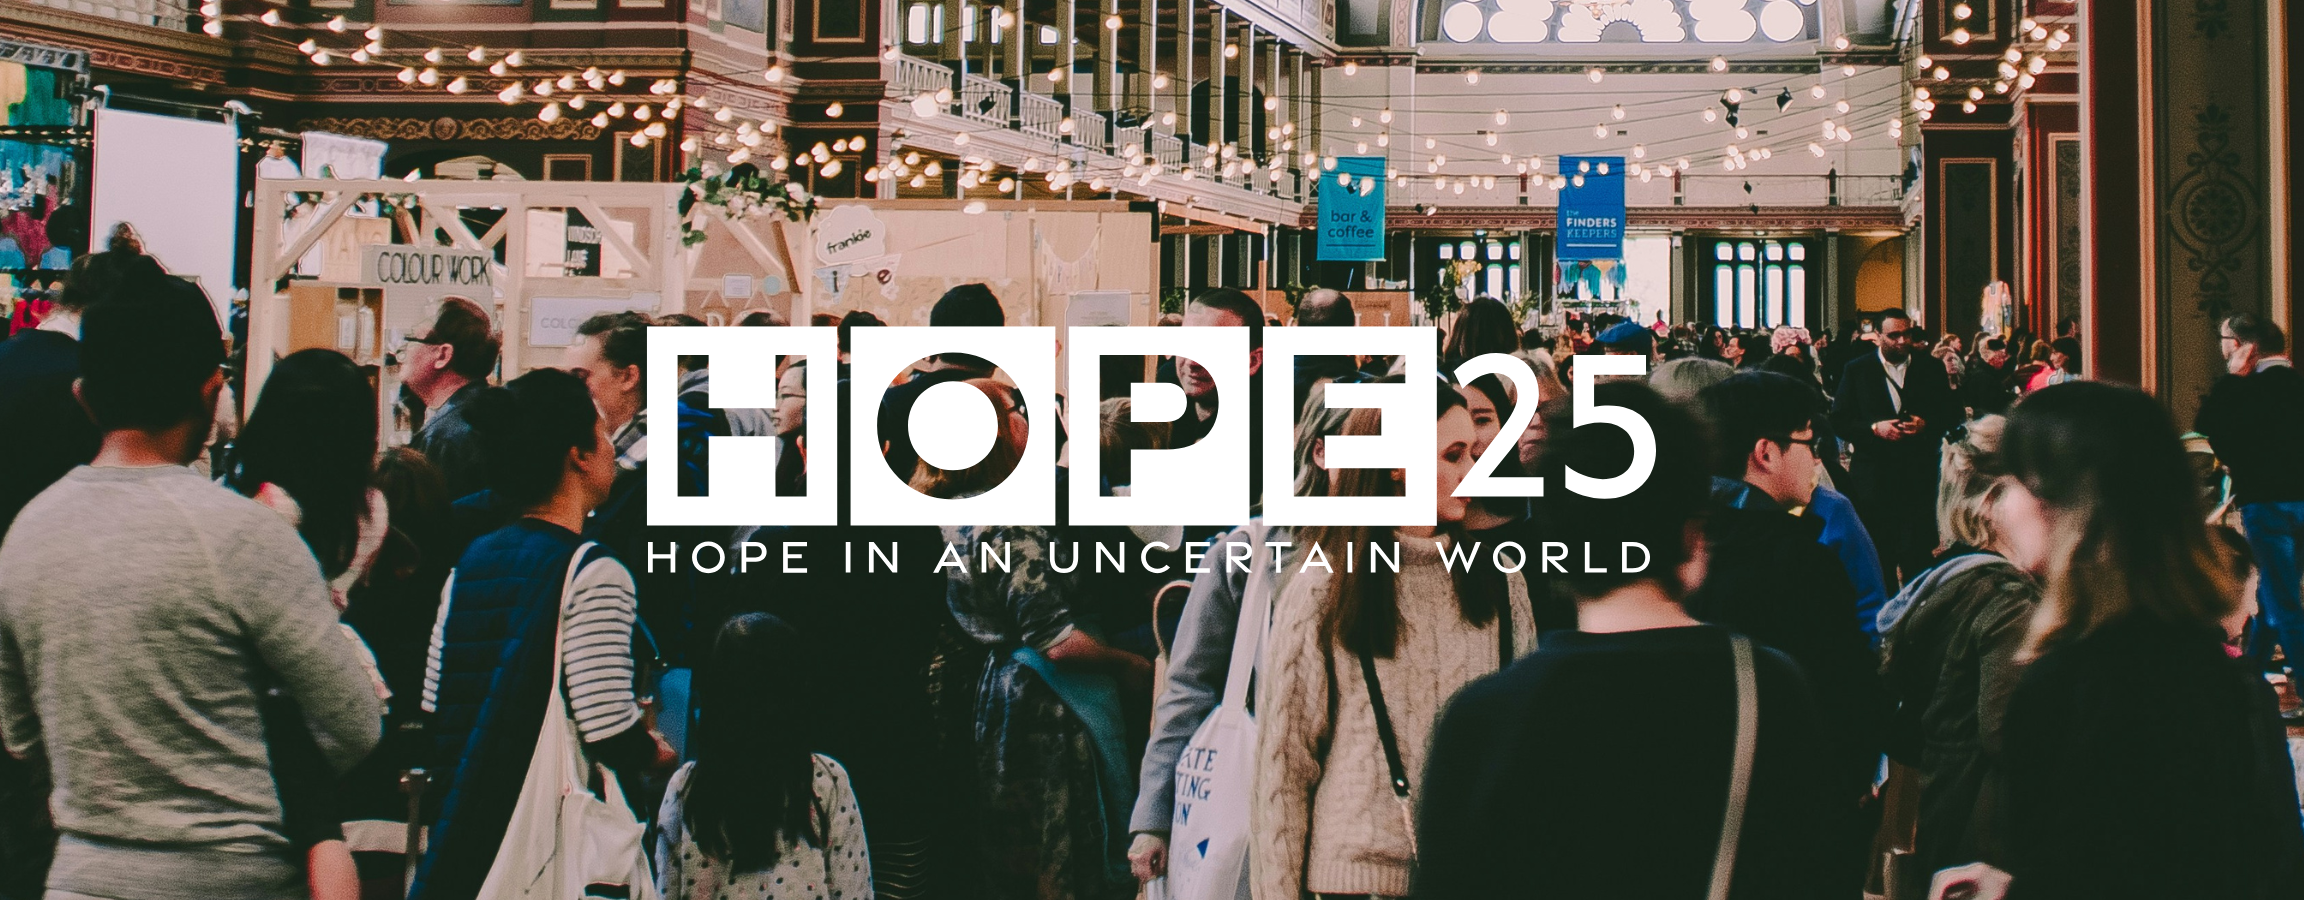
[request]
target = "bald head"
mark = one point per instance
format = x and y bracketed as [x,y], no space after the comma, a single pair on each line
[1324,307]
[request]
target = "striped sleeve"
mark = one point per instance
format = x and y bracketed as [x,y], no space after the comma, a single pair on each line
[597,650]
[432,655]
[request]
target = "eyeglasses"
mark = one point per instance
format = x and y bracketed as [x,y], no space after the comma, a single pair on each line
[1808,442]
[1894,335]
[434,341]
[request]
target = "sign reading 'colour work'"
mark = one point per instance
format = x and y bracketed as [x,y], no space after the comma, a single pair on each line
[1352,209]
[1592,208]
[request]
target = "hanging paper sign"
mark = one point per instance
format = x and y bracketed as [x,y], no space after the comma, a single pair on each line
[1592,213]
[1352,209]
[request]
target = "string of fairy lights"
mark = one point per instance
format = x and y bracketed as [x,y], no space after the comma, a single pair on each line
[1450,159]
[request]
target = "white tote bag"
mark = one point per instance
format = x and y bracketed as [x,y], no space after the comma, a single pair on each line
[1208,831]
[561,837]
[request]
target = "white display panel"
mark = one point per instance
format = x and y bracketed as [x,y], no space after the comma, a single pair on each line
[177,181]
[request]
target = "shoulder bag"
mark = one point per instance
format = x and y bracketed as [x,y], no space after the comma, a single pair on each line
[563,840]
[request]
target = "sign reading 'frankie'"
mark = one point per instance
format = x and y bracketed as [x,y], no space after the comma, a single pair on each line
[953,424]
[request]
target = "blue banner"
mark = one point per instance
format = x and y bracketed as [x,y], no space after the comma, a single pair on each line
[1591,213]
[1352,209]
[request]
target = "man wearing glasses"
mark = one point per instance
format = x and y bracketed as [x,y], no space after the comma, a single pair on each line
[446,362]
[1894,414]
[1771,578]
[2254,417]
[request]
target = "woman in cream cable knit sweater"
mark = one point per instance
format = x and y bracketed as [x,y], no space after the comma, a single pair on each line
[1325,818]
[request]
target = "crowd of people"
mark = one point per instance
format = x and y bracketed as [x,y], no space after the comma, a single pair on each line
[1915,619]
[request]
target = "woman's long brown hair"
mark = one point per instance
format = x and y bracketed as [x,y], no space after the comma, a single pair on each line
[1362,607]
[2130,539]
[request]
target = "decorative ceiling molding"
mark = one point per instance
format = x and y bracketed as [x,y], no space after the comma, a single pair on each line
[162,67]
[450,128]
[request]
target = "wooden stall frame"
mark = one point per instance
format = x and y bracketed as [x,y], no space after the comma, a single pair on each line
[658,262]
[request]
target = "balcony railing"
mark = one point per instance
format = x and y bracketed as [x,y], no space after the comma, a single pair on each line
[1717,189]
[157,13]
[1039,115]
[1167,150]
[985,101]
[1089,130]
[914,77]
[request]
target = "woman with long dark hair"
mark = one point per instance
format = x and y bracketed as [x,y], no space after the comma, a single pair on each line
[1338,751]
[307,452]
[2141,761]
[755,813]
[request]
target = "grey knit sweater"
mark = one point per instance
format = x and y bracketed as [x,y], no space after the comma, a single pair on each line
[139,609]
[1324,819]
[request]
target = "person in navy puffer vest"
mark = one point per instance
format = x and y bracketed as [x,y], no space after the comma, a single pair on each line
[512,594]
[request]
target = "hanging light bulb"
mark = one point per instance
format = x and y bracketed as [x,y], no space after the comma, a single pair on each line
[428,77]
[1271,103]
[270,17]
[1360,148]
[689,145]
[1355,121]
[1961,11]
[308,46]
[1384,139]
[1502,117]
[1735,95]
[1491,136]
[1430,143]
[1595,73]
[321,58]
[600,120]
[1384,115]
[1535,164]
[1710,116]
[639,139]
[1719,64]
[1065,125]
[214,28]
[1351,67]
[722,114]
[514,59]
[1007,184]
[775,73]
[550,113]
[1160,81]
[476,54]
[1471,76]
[459,85]
[1961,36]
[1742,133]
[1231,51]
[616,110]
[406,76]
[738,155]
[1941,74]
[1600,131]
[834,110]
[1967,106]
[1617,113]
[616,78]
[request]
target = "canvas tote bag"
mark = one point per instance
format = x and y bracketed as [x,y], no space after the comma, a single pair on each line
[562,838]
[1208,832]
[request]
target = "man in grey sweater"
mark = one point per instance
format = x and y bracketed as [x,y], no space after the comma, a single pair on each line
[141,606]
